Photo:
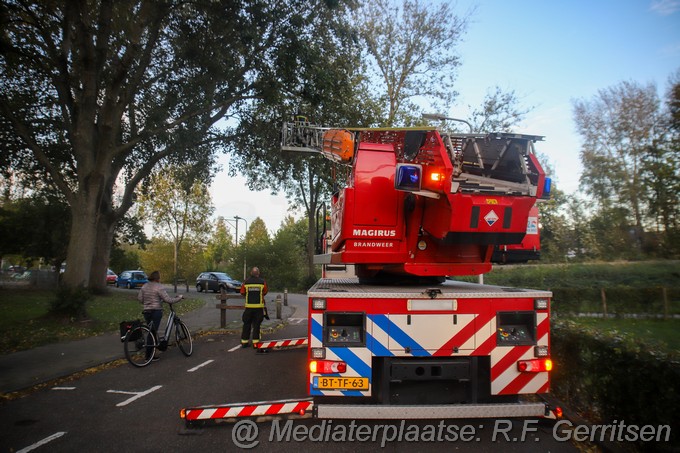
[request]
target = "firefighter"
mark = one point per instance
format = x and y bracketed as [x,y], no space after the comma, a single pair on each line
[254,289]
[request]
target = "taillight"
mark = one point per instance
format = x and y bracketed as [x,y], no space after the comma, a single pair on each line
[433,178]
[535,365]
[327,366]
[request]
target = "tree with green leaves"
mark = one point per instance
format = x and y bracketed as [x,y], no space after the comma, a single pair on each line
[580,242]
[35,228]
[96,94]
[159,256]
[254,250]
[500,111]
[220,247]
[661,175]
[617,127]
[330,89]
[179,207]
[287,262]
[630,168]
[411,49]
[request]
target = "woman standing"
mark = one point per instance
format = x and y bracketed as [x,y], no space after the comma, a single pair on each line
[152,295]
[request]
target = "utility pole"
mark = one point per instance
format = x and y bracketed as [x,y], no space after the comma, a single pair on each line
[237,218]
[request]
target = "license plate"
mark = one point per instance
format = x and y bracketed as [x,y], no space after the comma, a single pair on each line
[340,383]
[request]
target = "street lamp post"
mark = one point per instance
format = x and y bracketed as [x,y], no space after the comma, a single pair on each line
[237,218]
[440,117]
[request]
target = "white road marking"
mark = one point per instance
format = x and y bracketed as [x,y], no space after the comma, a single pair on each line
[63,388]
[297,320]
[42,442]
[235,348]
[200,366]
[136,397]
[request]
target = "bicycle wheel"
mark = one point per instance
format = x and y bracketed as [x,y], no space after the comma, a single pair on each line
[140,345]
[183,337]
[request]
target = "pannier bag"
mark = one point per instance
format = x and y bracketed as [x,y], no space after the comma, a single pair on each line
[127,326]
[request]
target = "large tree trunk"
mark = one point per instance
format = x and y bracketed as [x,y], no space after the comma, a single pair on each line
[106,222]
[100,259]
[93,221]
[81,247]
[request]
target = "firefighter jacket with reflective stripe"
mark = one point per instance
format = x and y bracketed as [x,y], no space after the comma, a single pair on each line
[254,289]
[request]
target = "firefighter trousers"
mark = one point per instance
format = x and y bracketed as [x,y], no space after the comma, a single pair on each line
[252,318]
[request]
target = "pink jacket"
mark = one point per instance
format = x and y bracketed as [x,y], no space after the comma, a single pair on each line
[153,294]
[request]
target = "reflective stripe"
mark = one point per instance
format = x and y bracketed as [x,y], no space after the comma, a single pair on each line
[254,287]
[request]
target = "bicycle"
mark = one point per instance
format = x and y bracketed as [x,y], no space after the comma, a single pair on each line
[140,343]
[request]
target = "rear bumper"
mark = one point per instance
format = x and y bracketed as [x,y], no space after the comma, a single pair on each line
[306,408]
[362,411]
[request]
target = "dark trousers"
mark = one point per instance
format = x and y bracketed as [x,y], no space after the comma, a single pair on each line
[252,318]
[153,320]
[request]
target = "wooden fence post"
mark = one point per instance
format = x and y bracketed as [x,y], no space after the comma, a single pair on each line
[224,305]
[223,312]
[603,294]
[666,309]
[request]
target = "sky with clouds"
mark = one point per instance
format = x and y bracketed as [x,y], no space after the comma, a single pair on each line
[550,52]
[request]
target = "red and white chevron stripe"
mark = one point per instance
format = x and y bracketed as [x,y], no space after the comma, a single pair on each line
[506,379]
[299,407]
[289,343]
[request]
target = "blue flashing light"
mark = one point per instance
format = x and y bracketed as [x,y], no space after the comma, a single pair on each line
[408,177]
[547,186]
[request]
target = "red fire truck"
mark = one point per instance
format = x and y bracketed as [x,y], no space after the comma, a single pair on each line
[402,339]
[528,249]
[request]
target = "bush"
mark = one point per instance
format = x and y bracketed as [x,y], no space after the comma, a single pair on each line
[615,377]
[70,302]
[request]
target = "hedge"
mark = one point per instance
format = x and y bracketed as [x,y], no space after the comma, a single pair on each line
[608,378]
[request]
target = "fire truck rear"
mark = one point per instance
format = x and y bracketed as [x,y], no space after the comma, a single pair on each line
[420,206]
[402,339]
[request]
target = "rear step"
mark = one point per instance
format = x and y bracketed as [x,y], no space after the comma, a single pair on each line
[264,409]
[279,344]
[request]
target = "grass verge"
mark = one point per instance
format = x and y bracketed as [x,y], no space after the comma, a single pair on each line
[26,324]
[655,334]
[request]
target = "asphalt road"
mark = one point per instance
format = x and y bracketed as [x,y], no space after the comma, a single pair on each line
[130,409]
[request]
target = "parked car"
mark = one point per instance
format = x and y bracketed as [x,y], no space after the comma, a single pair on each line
[16,270]
[131,279]
[111,277]
[215,281]
[24,276]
